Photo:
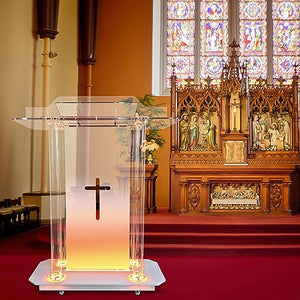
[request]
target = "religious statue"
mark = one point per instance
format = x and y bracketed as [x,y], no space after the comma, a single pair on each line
[274,136]
[208,132]
[235,120]
[256,131]
[211,138]
[270,133]
[284,129]
[194,132]
[184,132]
[197,133]
[204,130]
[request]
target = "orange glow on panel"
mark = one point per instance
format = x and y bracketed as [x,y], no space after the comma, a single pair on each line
[93,244]
[97,244]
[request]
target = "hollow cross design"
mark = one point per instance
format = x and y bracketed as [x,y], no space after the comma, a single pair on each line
[97,188]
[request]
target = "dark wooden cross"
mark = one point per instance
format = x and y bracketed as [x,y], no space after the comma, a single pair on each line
[97,188]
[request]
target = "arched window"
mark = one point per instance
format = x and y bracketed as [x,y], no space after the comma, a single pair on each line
[194,36]
[180,39]
[213,38]
[286,39]
[253,36]
[197,38]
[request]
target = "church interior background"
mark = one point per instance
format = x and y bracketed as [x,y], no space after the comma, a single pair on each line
[234,120]
[234,153]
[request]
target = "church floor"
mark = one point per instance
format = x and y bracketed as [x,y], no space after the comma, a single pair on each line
[218,277]
[162,216]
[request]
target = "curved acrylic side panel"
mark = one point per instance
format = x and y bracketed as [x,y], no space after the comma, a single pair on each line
[57,200]
[137,177]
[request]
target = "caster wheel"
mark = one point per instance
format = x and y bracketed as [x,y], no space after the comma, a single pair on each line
[137,293]
[61,293]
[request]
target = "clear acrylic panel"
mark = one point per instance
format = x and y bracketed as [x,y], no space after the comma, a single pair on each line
[58,200]
[75,111]
[97,158]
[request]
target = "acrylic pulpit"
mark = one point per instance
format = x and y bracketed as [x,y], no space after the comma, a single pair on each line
[96,171]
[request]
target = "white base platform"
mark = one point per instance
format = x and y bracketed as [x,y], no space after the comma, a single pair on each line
[97,280]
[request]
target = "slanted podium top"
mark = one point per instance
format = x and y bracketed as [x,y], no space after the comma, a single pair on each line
[100,111]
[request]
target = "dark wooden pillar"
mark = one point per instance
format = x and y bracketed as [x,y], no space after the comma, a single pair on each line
[47,17]
[88,36]
[88,30]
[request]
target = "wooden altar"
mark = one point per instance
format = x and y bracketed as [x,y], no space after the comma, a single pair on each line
[150,188]
[236,147]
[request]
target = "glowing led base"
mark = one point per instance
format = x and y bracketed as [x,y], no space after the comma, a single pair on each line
[137,277]
[99,281]
[56,277]
[61,263]
[134,263]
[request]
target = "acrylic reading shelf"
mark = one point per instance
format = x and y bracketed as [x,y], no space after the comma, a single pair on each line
[96,172]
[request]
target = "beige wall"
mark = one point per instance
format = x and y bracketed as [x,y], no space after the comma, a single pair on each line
[124,65]
[123,68]
[20,86]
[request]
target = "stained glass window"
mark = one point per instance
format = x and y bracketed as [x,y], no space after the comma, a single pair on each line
[253,36]
[198,30]
[213,37]
[286,39]
[181,38]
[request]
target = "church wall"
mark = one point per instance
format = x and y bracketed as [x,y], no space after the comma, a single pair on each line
[124,48]
[16,56]
[124,65]
[21,86]
[63,75]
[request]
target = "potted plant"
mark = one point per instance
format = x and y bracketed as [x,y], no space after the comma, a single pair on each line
[153,139]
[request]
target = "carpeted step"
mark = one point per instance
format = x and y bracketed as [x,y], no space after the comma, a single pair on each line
[217,249]
[221,238]
[259,237]
[231,228]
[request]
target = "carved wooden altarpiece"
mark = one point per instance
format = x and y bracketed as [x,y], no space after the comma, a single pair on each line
[236,147]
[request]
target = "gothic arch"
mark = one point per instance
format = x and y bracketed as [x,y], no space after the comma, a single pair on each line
[188,105]
[209,103]
[260,104]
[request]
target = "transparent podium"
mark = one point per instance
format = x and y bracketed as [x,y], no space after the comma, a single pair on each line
[96,170]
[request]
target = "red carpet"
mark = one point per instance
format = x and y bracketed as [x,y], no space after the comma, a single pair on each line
[230,234]
[188,277]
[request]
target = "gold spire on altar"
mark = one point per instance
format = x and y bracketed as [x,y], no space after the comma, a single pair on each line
[233,74]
